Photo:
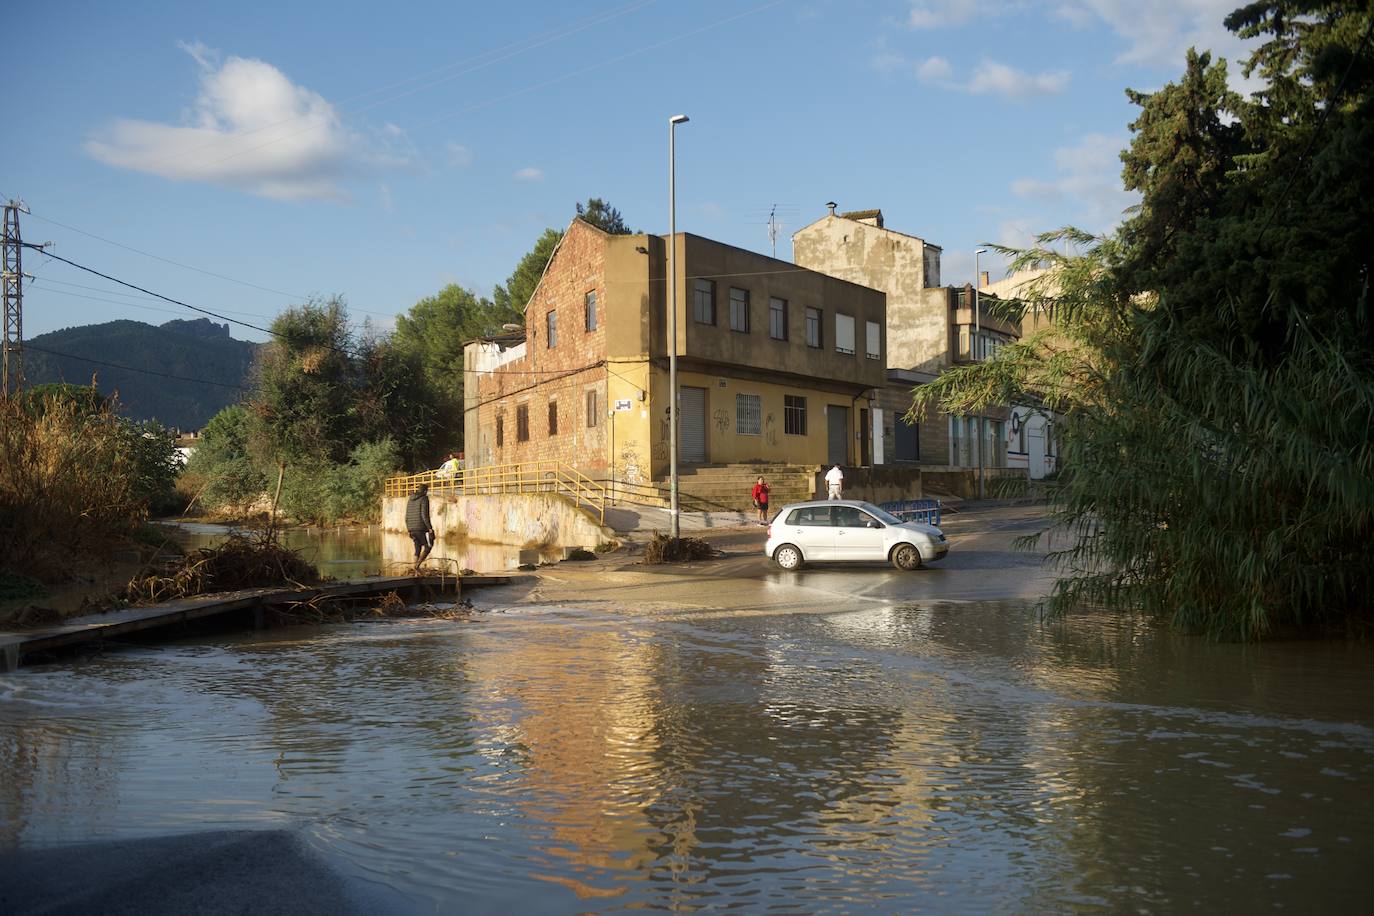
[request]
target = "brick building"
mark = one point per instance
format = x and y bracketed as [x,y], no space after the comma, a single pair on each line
[775,362]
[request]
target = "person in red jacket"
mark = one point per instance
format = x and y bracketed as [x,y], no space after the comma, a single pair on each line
[760,494]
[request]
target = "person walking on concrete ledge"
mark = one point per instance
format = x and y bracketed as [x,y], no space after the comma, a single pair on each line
[834,482]
[417,523]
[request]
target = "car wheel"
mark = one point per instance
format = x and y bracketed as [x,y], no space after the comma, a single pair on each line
[906,557]
[788,557]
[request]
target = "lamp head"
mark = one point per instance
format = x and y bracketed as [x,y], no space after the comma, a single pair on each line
[679,119]
[981,251]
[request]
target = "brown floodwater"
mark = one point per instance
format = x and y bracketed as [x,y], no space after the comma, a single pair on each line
[881,757]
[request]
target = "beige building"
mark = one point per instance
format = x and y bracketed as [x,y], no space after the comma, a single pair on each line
[929,329]
[776,364]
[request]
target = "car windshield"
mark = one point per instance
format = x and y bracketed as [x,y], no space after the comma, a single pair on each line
[882,514]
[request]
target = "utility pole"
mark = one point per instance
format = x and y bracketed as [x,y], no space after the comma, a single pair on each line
[773,228]
[12,359]
[975,347]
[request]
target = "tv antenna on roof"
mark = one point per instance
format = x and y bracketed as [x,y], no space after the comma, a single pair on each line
[773,228]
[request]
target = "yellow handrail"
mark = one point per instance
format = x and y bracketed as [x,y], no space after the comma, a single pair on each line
[530,476]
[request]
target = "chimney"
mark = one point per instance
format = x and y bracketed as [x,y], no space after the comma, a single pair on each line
[983,280]
[832,205]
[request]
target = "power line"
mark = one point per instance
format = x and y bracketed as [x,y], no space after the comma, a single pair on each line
[208,273]
[111,292]
[194,308]
[155,257]
[603,63]
[168,375]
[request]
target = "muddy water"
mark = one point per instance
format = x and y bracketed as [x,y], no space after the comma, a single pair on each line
[346,552]
[883,758]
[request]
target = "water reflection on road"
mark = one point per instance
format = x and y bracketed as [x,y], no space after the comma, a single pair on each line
[889,756]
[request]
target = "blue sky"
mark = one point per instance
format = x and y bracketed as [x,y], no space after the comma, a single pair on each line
[381,152]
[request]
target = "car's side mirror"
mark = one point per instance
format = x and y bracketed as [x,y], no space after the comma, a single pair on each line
[873,524]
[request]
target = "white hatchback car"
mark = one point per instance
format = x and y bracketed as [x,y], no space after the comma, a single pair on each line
[850,530]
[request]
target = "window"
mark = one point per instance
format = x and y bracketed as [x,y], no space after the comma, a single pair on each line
[522,423]
[1018,422]
[500,430]
[704,301]
[552,336]
[739,309]
[777,318]
[592,412]
[794,415]
[812,517]
[956,444]
[589,309]
[873,339]
[748,414]
[852,517]
[813,327]
[553,418]
[844,334]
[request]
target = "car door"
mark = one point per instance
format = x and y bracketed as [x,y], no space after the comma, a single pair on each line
[810,529]
[858,535]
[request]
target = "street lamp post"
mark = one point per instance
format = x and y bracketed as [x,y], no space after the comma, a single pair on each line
[673,122]
[973,347]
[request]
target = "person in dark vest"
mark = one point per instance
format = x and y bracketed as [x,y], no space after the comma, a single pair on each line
[417,523]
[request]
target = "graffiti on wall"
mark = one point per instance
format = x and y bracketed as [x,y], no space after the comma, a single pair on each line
[631,461]
[721,419]
[770,430]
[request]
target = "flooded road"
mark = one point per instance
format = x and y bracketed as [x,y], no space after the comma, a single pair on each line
[811,754]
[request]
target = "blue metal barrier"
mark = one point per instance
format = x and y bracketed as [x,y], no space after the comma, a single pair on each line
[916,510]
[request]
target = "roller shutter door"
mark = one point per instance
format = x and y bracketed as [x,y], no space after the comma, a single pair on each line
[692,426]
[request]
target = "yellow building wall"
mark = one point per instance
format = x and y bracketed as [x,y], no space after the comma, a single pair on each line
[724,445]
[628,431]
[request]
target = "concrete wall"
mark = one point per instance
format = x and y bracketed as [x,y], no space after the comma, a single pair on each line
[530,520]
[880,484]
[890,261]
[963,482]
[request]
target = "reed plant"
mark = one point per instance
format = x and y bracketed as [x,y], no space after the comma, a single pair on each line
[72,483]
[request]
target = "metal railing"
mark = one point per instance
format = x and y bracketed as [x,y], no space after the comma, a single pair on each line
[550,476]
[916,510]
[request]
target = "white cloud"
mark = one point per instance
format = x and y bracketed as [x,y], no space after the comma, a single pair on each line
[1161,35]
[940,14]
[459,156]
[990,77]
[994,78]
[934,69]
[1088,182]
[1156,34]
[253,130]
[529,173]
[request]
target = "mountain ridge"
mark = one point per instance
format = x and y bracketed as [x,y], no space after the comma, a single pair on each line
[192,348]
